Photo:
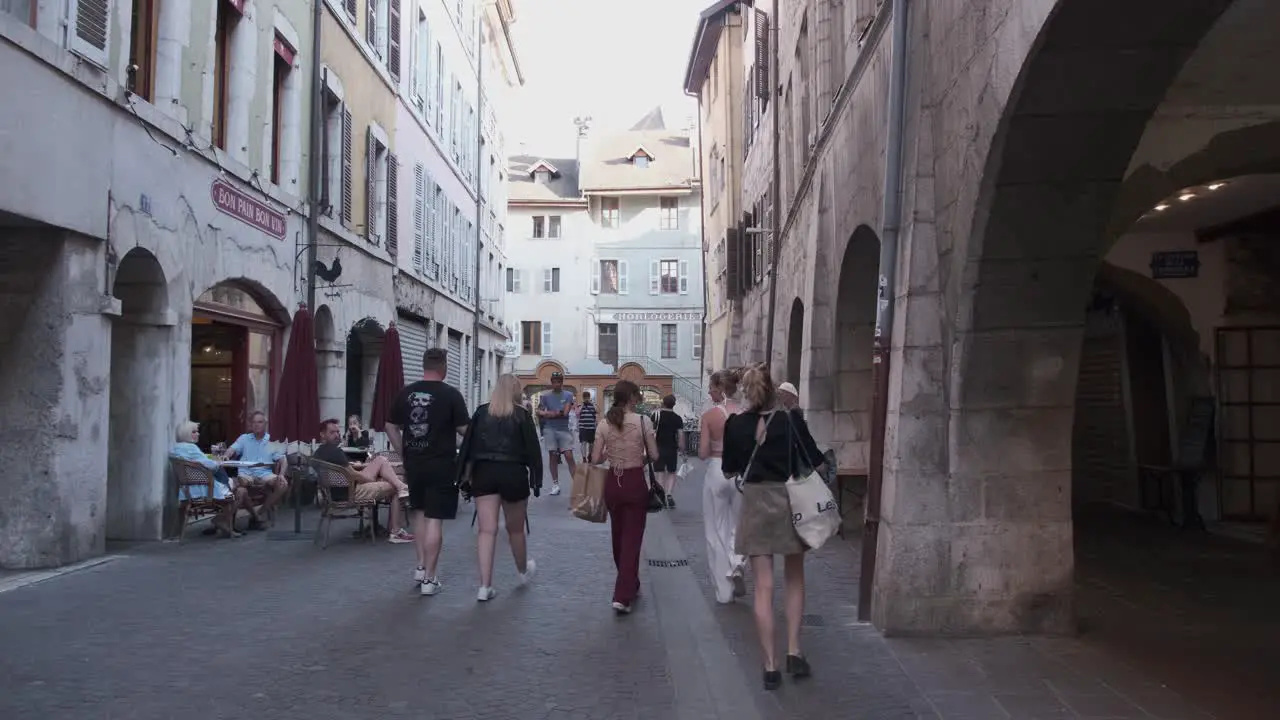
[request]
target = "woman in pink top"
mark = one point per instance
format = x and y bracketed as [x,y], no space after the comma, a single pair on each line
[720,496]
[625,438]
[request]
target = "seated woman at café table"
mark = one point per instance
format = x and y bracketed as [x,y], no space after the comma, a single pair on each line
[377,479]
[186,449]
[356,437]
[255,447]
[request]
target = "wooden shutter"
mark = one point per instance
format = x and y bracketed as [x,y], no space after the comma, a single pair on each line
[546,338]
[393,38]
[92,36]
[347,132]
[655,272]
[433,232]
[684,277]
[351,9]
[371,23]
[595,276]
[733,263]
[623,283]
[370,185]
[393,209]
[419,214]
[762,55]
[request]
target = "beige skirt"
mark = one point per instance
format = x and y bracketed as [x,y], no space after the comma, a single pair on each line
[765,527]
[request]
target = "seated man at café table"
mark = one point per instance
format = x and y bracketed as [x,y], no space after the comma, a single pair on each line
[186,449]
[377,478]
[255,447]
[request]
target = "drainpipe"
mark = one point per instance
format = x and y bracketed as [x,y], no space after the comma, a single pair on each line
[775,232]
[475,331]
[706,296]
[314,180]
[885,292]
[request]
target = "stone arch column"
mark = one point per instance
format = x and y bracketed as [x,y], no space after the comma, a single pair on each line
[141,428]
[330,366]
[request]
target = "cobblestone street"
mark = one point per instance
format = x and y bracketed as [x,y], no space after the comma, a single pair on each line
[280,629]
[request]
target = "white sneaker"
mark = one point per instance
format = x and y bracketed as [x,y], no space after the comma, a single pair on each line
[419,575]
[621,609]
[486,594]
[555,488]
[430,586]
[530,569]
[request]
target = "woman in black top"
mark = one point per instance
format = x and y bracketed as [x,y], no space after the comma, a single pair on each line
[782,447]
[500,464]
[668,424]
[357,437]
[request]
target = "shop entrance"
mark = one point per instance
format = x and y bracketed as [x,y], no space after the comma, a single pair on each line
[234,356]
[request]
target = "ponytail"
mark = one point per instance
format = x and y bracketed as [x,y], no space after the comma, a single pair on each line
[625,394]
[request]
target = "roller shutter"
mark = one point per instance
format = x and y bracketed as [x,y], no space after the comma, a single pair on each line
[413,344]
[454,376]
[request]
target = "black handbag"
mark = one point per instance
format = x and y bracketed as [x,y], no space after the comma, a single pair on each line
[657,496]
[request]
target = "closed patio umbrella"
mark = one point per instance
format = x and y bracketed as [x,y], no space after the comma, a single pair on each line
[296,415]
[390,378]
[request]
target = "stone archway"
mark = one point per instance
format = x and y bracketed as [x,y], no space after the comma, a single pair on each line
[141,426]
[364,350]
[1065,141]
[795,342]
[855,320]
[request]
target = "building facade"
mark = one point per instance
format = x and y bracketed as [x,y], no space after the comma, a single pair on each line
[1067,269]
[608,267]
[153,225]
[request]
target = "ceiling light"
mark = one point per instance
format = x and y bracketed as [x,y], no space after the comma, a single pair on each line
[1216,185]
[1186,196]
[1161,207]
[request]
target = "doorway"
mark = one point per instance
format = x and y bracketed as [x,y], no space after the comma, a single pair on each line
[607,335]
[234,356]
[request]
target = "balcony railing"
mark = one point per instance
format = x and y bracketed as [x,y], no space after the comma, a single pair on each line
[682,387]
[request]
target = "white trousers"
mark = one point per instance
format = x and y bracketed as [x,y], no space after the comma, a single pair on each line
[721,503]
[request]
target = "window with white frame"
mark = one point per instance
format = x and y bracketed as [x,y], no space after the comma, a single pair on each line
[513,280]
[376,173]
[551,280]
[668,276]
[422,83]
[669,213]
[531,337]
[670,344]
[335,151]
[539,226]
[609,277]
[553,226]
[610,213]
[697,341]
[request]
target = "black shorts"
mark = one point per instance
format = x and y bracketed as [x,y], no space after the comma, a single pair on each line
[668,459]
[432,488]
[587,436]
[510,481]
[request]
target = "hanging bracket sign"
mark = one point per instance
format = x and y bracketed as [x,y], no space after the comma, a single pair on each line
[1176,264]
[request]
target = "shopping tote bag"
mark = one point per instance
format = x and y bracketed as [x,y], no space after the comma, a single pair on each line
[813,509]
[586,500]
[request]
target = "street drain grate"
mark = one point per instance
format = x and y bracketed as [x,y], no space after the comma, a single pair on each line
[668,563]
[812,621]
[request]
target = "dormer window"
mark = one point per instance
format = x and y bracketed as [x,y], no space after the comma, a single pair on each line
[641,157]
[543,172]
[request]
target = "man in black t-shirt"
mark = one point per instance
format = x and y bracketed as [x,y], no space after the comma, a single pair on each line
[423,425]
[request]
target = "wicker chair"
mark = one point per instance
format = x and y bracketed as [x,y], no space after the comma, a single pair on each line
[193,509]
[332,477]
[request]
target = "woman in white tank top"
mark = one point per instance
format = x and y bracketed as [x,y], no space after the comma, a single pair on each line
[720,496]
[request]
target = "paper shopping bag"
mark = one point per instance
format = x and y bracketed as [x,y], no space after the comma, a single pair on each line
[586,500]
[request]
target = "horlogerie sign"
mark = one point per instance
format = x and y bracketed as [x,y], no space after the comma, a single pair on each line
[656,316]
[239,205]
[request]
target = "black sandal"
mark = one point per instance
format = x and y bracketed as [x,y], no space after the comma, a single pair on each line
[798,667]
[772,679]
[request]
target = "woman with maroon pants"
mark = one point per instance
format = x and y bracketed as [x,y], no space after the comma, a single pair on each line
[625,439]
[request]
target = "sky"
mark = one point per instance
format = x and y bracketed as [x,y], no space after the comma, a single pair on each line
[613,60]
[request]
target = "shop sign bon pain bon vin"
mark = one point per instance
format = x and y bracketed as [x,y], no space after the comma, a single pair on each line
[241,206]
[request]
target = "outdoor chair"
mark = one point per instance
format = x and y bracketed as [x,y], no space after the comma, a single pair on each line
[330,477]
[192,474]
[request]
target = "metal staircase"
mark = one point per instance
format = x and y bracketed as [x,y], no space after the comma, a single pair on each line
[682,387]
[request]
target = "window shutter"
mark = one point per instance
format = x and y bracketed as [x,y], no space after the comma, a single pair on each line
[92,37]
[371,24]
[546,338]
[439,77]
[684,277]
[393,38]
[655,273]
[424,82]
[762,56]
[351,9]
[546,280]
[595,276]
[419,214]
[347,190]
[517,283]
[370,186]
[431,256]
[623,285]
[393,210]
[415,61]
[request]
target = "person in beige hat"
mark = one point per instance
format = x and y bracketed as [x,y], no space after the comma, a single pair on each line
[789,397]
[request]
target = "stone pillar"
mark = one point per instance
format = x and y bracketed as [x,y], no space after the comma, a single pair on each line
[54,341]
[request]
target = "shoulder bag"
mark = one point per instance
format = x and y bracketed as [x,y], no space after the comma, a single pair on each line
[657,496]
[814,512]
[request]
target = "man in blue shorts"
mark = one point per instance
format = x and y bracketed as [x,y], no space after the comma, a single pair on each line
[553,407]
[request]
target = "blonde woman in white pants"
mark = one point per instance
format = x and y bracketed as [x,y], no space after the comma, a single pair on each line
[720,496]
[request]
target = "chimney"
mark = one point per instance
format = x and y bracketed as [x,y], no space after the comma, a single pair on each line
[584,126]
